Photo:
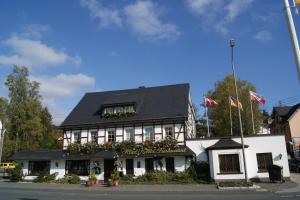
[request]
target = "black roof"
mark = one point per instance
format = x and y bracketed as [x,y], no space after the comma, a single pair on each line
[286,111]
[153,103]
[226,143]
[60,155]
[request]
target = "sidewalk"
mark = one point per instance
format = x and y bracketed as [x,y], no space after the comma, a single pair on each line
[121,188]
[287,187]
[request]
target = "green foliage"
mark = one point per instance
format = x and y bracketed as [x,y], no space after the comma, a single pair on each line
[28,123]
[118,115]
[74,148]
[16,174]
[115,175]
[70,179]
[200,172]
[45,177]
[220,114]
[93,176]
[159,177]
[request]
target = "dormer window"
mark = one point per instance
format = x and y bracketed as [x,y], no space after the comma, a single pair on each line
[118,111]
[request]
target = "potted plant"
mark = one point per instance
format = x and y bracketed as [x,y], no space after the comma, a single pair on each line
[115,177]
[92,180]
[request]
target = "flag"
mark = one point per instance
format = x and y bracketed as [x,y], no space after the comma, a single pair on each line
[235,103]
[297,2]
[210,102]
[256,97]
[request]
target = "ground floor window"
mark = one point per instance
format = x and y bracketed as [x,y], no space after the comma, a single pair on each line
[149,165]
[229,163]
[170,164]
[264,160]
[78,167]
[129,167]
[37,167]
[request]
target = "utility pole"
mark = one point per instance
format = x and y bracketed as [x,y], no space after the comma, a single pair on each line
[232,44]
[2,132]
[293,35]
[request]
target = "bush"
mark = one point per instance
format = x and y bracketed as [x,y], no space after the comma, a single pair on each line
[16,174]
[199,172]
[45,177]
[159,177]
[73,179]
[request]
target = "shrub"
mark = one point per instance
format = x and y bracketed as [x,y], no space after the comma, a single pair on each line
[199,172]
[45,177]
[74,148]
[73,179]
[16,174]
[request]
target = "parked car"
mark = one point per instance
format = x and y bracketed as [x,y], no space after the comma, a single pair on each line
[294,165]
[7,165]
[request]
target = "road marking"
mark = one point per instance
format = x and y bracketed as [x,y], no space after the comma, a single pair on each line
[286,196]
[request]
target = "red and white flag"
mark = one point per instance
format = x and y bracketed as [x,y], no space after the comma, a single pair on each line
[209,102]
[256,97]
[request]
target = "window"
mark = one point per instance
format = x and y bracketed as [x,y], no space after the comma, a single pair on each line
[169,131]
[78,167]
[264,160]
[77,137]
[94,136]
[119,110]
[229,163]
[138,164]
[170,164]
[149,133]
[129,167]
[37,167]
[149,165]
[129,134]
[128,109]
[111,136]
[108,110]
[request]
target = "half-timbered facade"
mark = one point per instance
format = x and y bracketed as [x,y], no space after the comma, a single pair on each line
[137,115]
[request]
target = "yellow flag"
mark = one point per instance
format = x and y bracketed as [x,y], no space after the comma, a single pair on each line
[235,103]
[297,2]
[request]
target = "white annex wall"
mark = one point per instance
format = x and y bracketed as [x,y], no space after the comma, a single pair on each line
[274,144]
[58,166]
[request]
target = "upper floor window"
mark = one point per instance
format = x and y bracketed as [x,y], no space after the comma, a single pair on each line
[94,136]
[111,136]
[169,131]
[118,111]
[148,133]
[77,137]
[129,134]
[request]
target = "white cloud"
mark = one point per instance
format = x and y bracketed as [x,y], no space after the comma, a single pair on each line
[263,36]
[34,53]
[55,89]
[218,14]
[107,17]
[143,17]
[34,31]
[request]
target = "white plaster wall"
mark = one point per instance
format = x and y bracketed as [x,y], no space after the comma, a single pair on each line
[25,166]
[60,169]
[101,165]
[274,144]
[139,171]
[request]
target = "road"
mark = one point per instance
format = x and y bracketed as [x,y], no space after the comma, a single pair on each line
[52,194]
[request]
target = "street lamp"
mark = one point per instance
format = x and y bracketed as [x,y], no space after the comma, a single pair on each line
[2,131]
[232,44]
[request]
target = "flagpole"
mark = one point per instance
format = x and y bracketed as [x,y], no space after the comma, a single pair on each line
[207,123]
[253,126]
[293,35]
[230,119]
[232,43]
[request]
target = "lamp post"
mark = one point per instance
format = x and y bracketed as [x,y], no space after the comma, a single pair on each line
[2,131]
[232,44]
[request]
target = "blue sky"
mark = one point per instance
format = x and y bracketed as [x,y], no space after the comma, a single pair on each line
[73,47]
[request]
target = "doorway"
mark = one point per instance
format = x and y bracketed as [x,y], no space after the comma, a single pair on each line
[109,166]
[129,167]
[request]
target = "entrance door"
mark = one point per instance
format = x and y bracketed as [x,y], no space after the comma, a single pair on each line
[108,168]
[129,167]
[170,164]
[149,165]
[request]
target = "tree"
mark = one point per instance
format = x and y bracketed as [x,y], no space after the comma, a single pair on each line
[29,123]
[220,115]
